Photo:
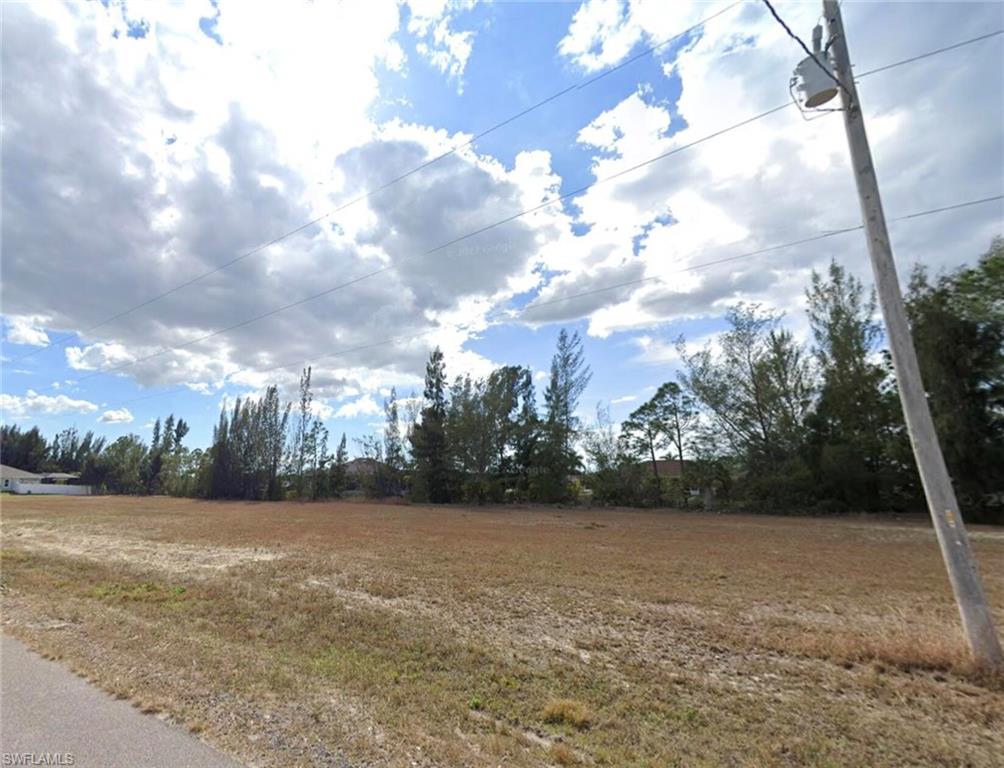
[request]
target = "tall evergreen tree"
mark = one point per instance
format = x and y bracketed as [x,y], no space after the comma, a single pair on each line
[429,447]
[338,468]
[570,375]
[958,328]
[317,458]
[167,440]
[393,446]
[180,430]
[301,434]
[757,392]
[854,417]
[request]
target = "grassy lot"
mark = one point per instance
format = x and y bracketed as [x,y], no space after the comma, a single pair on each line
[364,634]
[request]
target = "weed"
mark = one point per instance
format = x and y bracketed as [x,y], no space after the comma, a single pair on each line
[562,754]
[567,712]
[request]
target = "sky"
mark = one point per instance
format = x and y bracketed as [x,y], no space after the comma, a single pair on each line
[153,155]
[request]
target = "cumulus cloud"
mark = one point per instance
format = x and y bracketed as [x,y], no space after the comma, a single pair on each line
[158,159]
[116,416]
[663,351]
[363,406]
[603,32]
[444,46]
[774,180]
[35,404]
[321,410]
[27,330]
[98,356]
[132,215]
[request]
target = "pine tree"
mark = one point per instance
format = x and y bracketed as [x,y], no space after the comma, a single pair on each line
[338,468]
[570,375]
[301,435]
[393,446]
[429,445]
[854,417]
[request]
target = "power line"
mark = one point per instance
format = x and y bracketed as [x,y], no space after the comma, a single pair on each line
[805,48]
[663,44]
[918,57]
[481,230]
[388,267]
[382,187]
[571,297]
[769,249]
[883,68]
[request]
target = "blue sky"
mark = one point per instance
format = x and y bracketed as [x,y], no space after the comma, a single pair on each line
[179,137]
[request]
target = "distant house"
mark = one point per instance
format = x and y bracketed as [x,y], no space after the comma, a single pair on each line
[358,469]
[372,477]
[19,481]
[668,469]
[664,467]
[14,475]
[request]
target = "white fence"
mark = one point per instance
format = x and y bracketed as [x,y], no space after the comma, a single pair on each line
[48,489]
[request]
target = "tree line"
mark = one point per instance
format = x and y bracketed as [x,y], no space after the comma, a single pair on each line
[772,424]
[755,420]
[126,465]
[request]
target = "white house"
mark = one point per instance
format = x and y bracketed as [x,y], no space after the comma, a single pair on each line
[18,481]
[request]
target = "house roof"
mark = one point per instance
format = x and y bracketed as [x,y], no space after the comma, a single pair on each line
[60,475]
[666,467]
[362,466]
[13,473]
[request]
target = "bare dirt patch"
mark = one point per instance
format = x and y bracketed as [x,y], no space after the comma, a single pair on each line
[73,541]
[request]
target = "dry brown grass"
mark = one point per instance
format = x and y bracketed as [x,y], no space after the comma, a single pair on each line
[567,712]
[562,754]
[299,634]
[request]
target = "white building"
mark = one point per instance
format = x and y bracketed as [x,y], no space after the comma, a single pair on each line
[50,484]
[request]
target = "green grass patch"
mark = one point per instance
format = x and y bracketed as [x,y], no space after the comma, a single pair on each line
[138,592]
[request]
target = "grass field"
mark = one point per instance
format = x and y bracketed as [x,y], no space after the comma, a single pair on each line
[380,635]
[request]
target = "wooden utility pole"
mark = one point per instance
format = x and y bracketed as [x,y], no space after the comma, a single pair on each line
[977,621]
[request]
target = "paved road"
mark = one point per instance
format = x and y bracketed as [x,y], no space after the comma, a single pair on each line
[46,709]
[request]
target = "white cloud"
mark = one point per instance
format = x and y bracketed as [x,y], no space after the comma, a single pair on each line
[654,351]
[116,416]
[34,404]
[603,32]
[623,399]
[98,356]
[446,48]
[321,410]
[661,351]
[27,330]
[363,406]
[257,153]
[168,212]
[773,180]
